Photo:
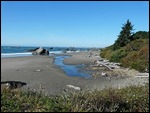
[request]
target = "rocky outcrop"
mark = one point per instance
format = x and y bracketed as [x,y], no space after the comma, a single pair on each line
[40,51]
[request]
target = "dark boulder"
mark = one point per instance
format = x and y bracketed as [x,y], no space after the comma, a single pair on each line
[13,84]
[40,51]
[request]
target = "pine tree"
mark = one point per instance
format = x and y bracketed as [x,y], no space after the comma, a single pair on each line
[125,35]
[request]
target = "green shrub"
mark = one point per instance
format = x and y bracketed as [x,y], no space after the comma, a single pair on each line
[141,34]
[117,55]
[134,55]
[138,59]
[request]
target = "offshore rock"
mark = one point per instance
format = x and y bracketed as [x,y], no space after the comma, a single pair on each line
[40,51]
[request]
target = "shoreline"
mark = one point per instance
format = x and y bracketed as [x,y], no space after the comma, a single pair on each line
[39,72]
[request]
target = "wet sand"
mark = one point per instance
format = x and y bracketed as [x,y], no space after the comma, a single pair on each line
[39,72]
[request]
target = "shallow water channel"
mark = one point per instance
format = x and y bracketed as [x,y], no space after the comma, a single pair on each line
[70,70]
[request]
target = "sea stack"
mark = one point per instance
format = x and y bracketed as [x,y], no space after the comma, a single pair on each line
[40,51]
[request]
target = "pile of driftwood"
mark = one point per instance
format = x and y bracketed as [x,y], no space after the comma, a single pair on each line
[113,66]
[106,63]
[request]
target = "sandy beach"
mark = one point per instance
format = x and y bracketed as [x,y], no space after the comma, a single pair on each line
[39,72]
[82,57]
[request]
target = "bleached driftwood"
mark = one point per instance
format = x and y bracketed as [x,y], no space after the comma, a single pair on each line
[142,75]
[100,63]
[114,67]
[105,63]
[74,87]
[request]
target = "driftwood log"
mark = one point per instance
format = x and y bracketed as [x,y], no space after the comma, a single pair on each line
[101,63]
[106,63]
[142,75]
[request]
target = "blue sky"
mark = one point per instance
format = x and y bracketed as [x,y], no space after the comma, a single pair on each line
[69,23]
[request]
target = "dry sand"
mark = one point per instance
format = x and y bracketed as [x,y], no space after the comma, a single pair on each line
[82,57]
[53,79]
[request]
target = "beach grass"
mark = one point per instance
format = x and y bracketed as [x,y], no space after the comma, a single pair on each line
[128,99]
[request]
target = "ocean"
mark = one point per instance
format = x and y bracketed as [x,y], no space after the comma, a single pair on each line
[18,51]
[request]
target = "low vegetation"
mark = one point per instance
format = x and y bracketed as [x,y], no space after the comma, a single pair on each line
[129,99]
[133,53]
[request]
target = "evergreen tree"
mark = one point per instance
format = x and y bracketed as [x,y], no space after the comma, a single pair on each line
[125,35]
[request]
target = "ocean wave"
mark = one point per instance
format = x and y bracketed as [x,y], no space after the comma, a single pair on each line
[16,54]
[56,52]
[30,53]
[25,54]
